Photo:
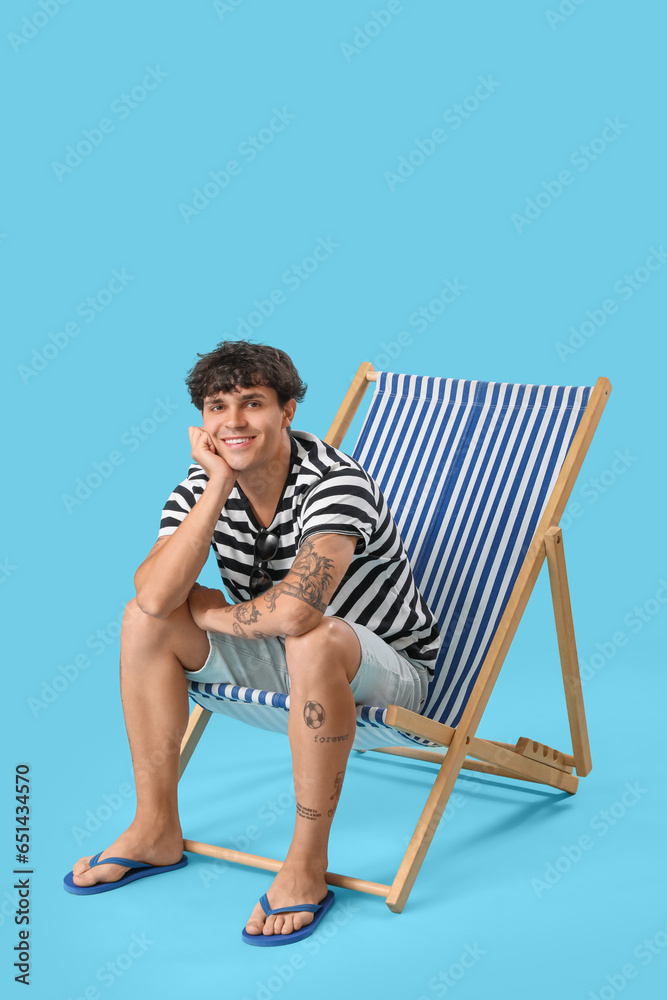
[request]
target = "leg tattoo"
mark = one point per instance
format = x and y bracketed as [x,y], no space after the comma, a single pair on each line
[338,784]
[313,714]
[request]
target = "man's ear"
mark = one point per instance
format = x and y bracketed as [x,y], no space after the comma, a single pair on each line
[289,411]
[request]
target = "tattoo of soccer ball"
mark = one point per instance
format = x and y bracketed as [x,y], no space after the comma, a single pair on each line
[313,714]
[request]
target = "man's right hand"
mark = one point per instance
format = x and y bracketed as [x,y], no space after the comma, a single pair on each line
[204,454]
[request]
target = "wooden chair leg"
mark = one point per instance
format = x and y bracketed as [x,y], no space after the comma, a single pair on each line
[423,835]
[567,647]
[197,722]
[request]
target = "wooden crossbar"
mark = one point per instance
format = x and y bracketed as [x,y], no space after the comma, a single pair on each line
[273,865]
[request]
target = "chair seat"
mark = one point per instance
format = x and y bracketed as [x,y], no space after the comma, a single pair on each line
[270,710]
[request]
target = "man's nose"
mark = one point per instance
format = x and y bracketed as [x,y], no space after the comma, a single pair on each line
[236,419]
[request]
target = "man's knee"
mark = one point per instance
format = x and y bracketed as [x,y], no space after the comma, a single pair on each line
[138,623]
[134,616]
[330,642]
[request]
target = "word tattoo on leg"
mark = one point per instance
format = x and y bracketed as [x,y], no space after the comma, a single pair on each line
[313,714]
[306,813]
[330,739]
[338,784]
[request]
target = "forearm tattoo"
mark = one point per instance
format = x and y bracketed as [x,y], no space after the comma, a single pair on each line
[246,613]
[311,576]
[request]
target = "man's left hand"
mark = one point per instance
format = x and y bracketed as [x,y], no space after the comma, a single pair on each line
[202,601]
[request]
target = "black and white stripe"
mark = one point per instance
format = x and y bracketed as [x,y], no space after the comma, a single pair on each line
[326,491]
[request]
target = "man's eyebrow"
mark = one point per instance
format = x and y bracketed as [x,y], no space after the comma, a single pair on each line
[242,396]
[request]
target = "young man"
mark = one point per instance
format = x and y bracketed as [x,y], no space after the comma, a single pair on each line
[324,606]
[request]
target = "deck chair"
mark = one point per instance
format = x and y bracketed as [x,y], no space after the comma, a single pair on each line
[476,475]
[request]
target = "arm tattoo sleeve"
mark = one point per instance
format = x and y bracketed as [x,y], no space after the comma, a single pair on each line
[312,576]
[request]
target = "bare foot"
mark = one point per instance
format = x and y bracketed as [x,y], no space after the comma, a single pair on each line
[136,844]
[292,885]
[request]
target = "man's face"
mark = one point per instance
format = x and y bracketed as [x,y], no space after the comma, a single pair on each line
[247,425]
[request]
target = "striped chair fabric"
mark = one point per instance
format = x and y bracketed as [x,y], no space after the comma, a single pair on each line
[466,468]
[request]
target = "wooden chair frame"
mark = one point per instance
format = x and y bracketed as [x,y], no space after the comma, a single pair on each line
[526,759]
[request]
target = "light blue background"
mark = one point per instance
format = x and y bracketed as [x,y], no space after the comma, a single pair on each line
[68,573]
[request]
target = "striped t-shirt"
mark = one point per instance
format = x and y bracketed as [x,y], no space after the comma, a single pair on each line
[326,491]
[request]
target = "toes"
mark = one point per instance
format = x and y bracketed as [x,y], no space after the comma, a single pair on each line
[86,878]
[300,920]
[82,866]
[256,923]
[84,875]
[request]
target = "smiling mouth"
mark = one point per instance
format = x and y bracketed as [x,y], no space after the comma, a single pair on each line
[238,442]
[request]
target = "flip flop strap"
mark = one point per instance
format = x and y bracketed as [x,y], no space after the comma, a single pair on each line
[310,907]
[125,862]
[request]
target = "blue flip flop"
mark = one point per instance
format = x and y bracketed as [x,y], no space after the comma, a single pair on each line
[269,940]
[140,870]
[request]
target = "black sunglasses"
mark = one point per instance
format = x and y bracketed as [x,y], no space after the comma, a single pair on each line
[266,546]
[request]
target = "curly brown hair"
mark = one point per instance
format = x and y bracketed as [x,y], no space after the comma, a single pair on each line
[242,363]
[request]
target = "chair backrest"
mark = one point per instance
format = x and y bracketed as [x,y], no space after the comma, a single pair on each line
[466,469]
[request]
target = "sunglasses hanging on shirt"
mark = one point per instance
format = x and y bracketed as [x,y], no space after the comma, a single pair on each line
[266,547]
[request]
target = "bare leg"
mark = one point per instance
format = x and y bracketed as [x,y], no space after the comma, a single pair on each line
[322,724]
[154,654]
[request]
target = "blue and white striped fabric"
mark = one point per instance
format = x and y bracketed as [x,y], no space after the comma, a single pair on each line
[467,469]
[270,710]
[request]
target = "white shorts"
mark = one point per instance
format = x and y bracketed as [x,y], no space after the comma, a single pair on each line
[385,675]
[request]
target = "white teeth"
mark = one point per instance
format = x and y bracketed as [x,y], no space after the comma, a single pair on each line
[236,440]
